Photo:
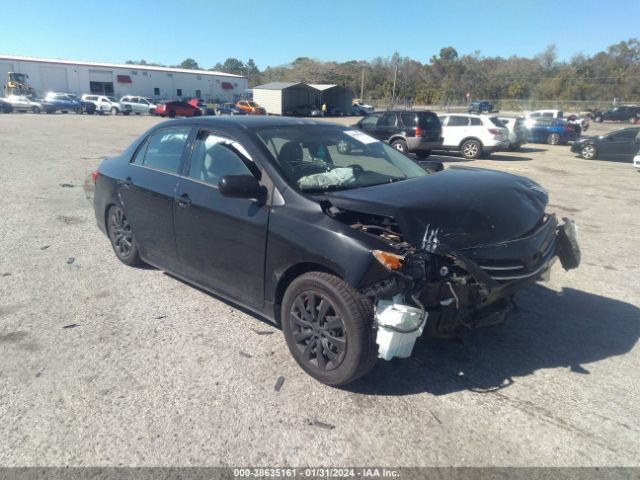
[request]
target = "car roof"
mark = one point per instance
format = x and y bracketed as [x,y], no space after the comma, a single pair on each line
[249,122]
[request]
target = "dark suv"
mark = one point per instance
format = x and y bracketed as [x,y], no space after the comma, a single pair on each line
[407,131]
[482,107]
[627,113]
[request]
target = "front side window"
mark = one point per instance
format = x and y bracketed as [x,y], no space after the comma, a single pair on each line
[370,121]
[164,149]
[321,158]
[215,156]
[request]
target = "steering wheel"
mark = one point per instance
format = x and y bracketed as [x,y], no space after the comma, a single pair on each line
[357,169]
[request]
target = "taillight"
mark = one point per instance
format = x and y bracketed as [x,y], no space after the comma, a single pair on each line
[94,176]
[495,131]
[419,132]
[568,128]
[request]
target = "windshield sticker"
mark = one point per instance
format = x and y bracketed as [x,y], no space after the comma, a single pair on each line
[361,137]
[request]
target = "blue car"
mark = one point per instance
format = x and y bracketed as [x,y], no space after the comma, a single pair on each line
[553,131]
[64,102]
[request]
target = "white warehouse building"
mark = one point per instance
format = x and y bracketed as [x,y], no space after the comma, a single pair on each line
[159,83]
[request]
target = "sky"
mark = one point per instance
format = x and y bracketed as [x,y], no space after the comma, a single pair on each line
[275,32]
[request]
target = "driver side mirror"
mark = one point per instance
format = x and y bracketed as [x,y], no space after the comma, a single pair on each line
[432,166]
[241,186]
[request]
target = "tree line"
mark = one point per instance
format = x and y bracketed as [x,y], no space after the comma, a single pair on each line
[452,78]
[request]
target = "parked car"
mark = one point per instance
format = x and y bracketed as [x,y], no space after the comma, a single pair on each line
[177,108]
[107,104]
[482,106]
[250,107]
[228,109]
[532,117]
[299,111]
[626,113]
[359,108]
[553,131]
[407,131]
[619,145]
[88,107]
[518,133]
[64,102]
[139,105]
[269,214]
[5,107]
[636,161]
[200,105]
[473,135]
[22,103]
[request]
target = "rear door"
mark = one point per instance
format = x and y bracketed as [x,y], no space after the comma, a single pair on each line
[387,126]
[221,241]
[147,194]
[455,130]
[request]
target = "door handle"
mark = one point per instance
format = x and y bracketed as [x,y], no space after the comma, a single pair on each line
[126,182]
[183,200]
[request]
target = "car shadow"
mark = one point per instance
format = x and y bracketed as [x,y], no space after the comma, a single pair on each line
[567,329]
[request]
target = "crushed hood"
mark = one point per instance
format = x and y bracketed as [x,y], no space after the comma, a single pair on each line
[457,208]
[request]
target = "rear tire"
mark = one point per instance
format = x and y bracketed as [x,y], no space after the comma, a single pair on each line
[598,119]
[400,145]
[172,114]
[553,139]
[122,240]
[328,328]
[471,149]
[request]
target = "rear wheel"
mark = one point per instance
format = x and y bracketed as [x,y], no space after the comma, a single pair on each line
[172,114]
[553,139]
[79,111]
[598,118]
[400,145]
[471,149]
[588,152]
[328,328]
[632,120]
[121,236]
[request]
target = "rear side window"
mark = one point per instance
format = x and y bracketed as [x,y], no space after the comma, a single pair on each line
[496,121]
[428,120]
[408,119]
[164,149]
[458,121]
[476,121]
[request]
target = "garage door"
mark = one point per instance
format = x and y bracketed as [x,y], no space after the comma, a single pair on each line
[54,79]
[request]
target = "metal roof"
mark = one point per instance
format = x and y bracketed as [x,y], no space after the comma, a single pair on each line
[322,86]
[128,66]
[277,85]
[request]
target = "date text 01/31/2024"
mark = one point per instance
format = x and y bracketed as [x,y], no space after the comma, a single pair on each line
[316,472]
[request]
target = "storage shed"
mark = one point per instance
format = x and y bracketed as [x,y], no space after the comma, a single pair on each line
[334,96]
[280,97]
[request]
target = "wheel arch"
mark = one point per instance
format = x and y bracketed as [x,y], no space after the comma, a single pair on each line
[289,275]
[466,139]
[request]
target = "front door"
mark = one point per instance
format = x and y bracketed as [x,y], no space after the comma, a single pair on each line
[622,145]
[221,241]
[147,194]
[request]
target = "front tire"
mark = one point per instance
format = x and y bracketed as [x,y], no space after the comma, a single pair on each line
[589,152]
[114,111]
[36,110]
[598,118]
[471,149]
[122,240]
[328,328]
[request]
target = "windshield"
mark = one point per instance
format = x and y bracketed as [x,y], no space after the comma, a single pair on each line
[252,104]
[316,158]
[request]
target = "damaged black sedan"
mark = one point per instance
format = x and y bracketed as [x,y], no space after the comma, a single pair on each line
[349,245]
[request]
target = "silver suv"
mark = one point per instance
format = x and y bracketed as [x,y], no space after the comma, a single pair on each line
[139,105]
[105,104]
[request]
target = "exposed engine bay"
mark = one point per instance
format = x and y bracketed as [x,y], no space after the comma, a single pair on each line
[461,288]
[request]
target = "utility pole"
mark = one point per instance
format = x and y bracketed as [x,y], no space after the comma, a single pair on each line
[362,87]
[393,93]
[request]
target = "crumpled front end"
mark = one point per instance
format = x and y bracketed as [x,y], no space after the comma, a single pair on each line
[462,288]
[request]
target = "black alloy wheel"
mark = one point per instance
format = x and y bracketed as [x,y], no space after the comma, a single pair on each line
[328,328]
[121,236]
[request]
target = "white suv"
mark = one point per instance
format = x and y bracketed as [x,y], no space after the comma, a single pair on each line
[138,104]
[106,104]
[473,135]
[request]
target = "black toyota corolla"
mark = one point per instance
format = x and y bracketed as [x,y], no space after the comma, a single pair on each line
[315,226]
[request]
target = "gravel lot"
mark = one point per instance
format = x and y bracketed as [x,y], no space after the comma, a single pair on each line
[101,364]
